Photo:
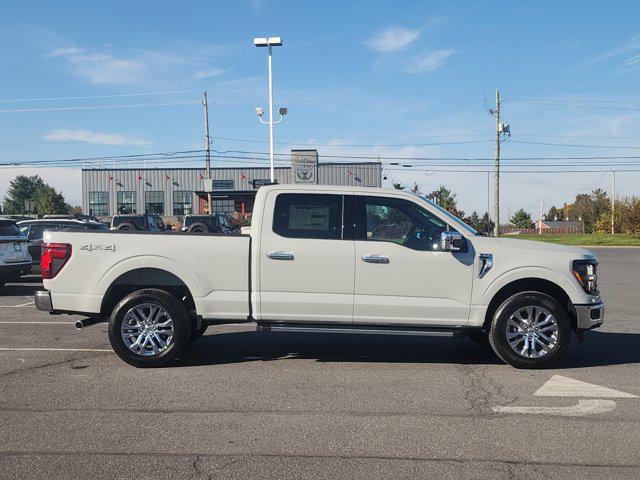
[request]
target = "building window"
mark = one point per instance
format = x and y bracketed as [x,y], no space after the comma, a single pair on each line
[126,202]
[182,203]
[99,204]
[308,216]
[154,202]
[223,185]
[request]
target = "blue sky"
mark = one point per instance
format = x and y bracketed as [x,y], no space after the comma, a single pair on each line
[388,78]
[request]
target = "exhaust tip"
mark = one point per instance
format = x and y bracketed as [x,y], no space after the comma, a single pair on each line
[79,324]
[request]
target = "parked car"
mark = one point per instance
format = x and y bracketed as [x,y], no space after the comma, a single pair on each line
[14,251]
[130,222]
[34,230]
[334,260]
[215,223]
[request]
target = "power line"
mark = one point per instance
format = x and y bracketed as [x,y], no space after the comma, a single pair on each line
[87,97]
[98,107]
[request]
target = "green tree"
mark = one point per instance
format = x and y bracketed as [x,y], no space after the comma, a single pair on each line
[590,208]
[446,199]
[555,213]
[522,219]
[486,224]
[45,199]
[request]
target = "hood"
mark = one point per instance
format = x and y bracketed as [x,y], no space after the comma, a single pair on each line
[543,248]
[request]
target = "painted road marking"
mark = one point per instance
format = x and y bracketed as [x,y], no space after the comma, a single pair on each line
[559,386]
[29,304]
[584,407]
[55,349]
[28,322]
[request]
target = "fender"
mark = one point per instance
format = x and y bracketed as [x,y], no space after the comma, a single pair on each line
[520,273]
[150,261]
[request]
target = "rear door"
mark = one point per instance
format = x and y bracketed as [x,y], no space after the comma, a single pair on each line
[306,259]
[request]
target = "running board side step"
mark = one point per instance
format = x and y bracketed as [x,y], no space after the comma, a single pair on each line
[362,330]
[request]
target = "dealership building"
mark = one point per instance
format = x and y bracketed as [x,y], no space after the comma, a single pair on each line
[174,192]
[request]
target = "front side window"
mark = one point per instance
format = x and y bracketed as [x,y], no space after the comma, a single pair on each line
[182,203]
[298,215]
[126,202]
[99,204]
[154,202]
[398,221]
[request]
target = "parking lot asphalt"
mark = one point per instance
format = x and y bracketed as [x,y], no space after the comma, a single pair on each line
[243,404]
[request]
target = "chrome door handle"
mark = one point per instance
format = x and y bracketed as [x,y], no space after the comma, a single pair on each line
[375,259]
[280,256]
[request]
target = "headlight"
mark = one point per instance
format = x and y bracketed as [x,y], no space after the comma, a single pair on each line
[586,274]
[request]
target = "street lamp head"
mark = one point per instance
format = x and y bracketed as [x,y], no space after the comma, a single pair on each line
[282,111]
[259,111]
[267,41]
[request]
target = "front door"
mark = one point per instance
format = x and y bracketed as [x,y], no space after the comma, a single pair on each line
[402,277]
[306,265]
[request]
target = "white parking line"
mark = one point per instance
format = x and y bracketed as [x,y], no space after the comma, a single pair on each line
[55,349]
[29,304]
[28,322]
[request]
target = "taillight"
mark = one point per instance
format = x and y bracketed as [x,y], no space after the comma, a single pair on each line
[53,258]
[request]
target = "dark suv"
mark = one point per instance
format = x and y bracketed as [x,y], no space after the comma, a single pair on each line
[216,223]
[148,222]
[34,230]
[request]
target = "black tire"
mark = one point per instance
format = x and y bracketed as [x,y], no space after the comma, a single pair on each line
[126,227]
[196,333]
[182,327]
[498,332]
[198,227]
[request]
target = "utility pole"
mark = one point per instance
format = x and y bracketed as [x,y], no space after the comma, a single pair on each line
[541,213]
[496,177]
[488,202]
[207,149]
[613,204]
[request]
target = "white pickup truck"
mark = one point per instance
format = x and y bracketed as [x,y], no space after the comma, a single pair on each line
[326,259]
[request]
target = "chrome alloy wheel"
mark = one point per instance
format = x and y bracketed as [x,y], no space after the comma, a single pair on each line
[147,329]
[532,331]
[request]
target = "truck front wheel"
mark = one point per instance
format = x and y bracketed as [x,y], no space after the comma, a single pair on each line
[149,328]
[530,330]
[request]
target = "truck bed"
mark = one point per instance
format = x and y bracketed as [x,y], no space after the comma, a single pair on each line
[214,268]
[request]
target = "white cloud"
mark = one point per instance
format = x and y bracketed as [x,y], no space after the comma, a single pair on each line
[630,45]
[393,39]
[97,138]
[109,66]
[429,61]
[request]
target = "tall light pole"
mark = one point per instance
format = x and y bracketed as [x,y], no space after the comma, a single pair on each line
[270,42]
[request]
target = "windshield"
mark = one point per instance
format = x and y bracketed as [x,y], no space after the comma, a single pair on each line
[451,217]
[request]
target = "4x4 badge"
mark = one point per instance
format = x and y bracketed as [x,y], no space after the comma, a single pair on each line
[90,247]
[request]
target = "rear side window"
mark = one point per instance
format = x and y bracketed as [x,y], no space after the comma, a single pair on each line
[301,215]
[9,229]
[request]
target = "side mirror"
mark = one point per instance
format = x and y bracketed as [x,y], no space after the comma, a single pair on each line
[451,241]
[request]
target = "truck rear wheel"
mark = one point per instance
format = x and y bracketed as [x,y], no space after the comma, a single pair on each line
[530,330]
[126,227]
[149,328]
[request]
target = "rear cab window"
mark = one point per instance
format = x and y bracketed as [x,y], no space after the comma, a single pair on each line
[302,215]
[9,229]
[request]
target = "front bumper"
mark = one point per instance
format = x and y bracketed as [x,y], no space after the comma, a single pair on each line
[589,316]
[43,301]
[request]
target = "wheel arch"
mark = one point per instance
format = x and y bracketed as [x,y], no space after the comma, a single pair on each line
[536,284]
[146,277]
